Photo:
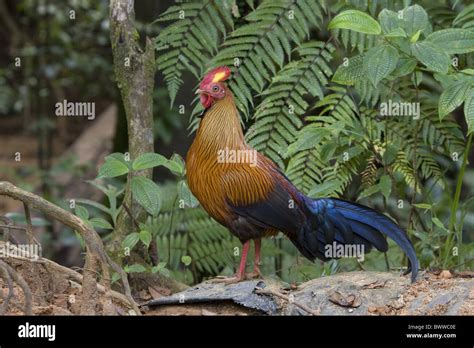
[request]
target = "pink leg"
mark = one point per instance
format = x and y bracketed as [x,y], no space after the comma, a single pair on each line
[240,275]
[256,265]
[243,260]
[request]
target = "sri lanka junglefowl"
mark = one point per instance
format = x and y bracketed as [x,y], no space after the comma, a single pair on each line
[254,199]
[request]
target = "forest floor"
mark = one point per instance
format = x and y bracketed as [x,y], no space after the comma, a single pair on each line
[56,290]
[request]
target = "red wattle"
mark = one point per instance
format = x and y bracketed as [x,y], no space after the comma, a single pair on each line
[206,100]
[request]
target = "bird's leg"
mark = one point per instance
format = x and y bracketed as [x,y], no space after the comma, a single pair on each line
[256,265]
[240,275]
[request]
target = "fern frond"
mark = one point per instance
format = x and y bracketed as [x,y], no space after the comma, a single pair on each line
[465,18]
[278,117]
[260,47]
[325,158]
[369,174]
[402,166]
[191,39]
[306,170]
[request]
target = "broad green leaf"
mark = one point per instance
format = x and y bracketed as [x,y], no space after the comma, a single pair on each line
[350,71]
[324,189]
[159,267]
[176,165]
[453,41]
[415,18]
[147,194]
[308,137]
[82,212]
[356,21]
[112,168]
[115,276]
[385,184]
[379,62]
[145,236]
[101,223]
[390,154]
[390,22]
[452,97]
[186,260]
[148,160]
[432,56]
[369,191]
[130,240]
[405,66]
[135,268]
[398,32]
[469,110]
[93,204]
[121,157]
[186,196]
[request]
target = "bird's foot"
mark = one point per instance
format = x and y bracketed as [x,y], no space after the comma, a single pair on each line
[227,280]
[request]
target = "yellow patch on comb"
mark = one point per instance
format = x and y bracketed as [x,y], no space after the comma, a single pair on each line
[219,76]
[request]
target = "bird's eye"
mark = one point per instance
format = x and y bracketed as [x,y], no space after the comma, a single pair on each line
[215,89]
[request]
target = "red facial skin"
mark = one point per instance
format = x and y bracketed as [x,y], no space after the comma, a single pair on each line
[211,92]
[210,89]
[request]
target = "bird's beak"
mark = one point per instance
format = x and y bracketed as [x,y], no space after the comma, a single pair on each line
[199,91]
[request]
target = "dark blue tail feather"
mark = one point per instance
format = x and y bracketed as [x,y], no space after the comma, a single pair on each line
[350,223]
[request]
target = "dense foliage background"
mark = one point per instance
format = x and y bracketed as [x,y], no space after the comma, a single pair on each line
[310,99]
[310,78]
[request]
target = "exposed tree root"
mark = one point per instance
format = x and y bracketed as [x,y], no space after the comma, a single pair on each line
[97,262]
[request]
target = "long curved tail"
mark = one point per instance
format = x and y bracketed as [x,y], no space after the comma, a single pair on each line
[337,221]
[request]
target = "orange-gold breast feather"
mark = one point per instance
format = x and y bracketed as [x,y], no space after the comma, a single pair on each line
[217,183]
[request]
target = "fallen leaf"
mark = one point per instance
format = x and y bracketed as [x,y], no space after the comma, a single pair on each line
[375,285]
[350,300]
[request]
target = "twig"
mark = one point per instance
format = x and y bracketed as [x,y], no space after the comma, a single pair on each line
[286,298]
[29,225]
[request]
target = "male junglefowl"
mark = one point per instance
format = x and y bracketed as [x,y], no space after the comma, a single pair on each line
[254,199]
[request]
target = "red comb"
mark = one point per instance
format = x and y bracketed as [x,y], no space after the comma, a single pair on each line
[218,74]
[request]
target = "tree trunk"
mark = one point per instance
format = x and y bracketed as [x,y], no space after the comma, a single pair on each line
[135,73]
